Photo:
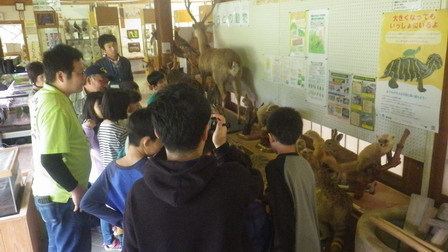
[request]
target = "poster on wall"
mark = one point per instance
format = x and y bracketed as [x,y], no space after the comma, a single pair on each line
[298,72]
[339,95]
[406,5]
[316,88]
[317,32]
[245,13]
[297,33]
[410,68]
[362,108]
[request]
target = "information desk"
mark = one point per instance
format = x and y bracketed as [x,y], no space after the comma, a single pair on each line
[24,231]
[383,197]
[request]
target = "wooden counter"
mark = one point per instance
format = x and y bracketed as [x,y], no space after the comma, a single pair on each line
[24,231]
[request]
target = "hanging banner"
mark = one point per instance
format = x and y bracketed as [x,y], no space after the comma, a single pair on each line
[410,69]
[297,33]
[362,108]
[339,95]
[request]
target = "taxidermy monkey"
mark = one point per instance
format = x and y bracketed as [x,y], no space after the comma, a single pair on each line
[371,155]
[264,112]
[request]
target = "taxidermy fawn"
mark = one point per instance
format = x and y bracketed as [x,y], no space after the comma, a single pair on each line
[223,63]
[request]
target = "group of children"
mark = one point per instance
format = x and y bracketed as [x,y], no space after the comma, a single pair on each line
[114,117]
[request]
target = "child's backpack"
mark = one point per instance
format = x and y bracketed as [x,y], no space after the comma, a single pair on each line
[259,226]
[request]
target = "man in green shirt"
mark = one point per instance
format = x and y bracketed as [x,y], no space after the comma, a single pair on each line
[61,152]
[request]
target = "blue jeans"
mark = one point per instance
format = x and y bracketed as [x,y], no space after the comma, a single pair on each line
[106,231]
[68,231]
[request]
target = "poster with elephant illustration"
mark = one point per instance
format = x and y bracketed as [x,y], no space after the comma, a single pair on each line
[411,66]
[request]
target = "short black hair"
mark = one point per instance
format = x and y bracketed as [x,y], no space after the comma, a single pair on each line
[34,69]
[139,126]
[60,58]
[134,96]
[128,85]
[88,111]
[106,38]
[155,77]
[114,104]
[285,124]
[179,115]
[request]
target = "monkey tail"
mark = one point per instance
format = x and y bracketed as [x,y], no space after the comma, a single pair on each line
[234,70]
[337,244]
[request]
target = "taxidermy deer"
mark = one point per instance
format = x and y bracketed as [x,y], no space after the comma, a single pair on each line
[224,64]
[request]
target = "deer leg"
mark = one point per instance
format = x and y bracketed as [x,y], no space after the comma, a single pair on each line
[236,84]
[219,81]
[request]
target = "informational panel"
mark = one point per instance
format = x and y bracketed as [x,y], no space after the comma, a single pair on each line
[353,36]
[411,65]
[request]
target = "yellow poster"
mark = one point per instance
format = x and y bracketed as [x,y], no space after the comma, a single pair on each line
[411,65]
[413,48]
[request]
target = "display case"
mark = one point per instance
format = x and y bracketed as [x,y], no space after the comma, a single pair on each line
[79,34]
[149,28]
[47,29]
[14,95]
[104,20]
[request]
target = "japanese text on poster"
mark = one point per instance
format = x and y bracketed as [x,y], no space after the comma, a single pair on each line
[317,31]
[317,78]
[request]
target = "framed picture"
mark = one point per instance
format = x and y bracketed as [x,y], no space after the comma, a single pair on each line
[46,19]
[134,47]
[132,34]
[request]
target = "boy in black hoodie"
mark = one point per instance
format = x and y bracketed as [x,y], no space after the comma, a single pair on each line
[190,202]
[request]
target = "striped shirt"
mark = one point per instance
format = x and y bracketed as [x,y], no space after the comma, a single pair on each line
[111,137]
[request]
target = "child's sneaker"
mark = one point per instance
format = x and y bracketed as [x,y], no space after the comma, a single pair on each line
[116,245]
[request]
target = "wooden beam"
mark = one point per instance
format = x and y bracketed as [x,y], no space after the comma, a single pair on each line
[164,31]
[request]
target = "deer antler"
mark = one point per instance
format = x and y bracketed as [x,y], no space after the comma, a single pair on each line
[187,6]
[210,12]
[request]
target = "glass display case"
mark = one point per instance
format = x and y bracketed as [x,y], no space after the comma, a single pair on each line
[149,41]
[78,33]
[14,95]
[49,38]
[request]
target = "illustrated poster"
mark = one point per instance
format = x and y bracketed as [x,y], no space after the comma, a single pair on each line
[316,89]
[362,109]
[317,32]
[411,65]
[339,95]
[297,33]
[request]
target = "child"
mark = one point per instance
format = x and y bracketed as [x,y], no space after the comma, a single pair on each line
[157,82]
[91,122]
[291,186]
[114,183]
[111,135]
[36,75]
[111,138]
[129,85]
[117,66]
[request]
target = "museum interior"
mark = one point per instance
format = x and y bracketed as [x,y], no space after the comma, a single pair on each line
[367,77]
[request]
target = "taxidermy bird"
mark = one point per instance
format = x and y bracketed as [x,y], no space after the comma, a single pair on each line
[85,26]
[410,53]
[183,45]
[153,37]
[68,29]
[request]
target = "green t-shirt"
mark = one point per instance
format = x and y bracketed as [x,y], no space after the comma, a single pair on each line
[55,129]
